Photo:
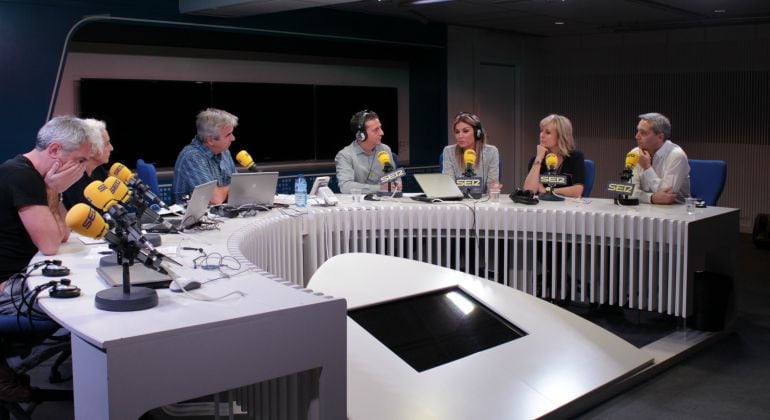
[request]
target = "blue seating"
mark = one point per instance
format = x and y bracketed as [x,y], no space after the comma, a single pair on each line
[589,177]
[707,179]
[148,175]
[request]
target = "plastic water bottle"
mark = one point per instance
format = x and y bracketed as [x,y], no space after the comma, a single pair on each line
[300,192]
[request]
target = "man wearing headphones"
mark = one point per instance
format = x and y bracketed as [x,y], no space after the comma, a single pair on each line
[207,158]
[357,164]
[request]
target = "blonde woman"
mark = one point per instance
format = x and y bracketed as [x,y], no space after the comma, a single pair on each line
[556,137]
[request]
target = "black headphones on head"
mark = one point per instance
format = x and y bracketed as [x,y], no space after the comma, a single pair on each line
[360,128]
[478,131]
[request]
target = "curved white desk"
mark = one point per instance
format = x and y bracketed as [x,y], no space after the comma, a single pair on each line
[641,256]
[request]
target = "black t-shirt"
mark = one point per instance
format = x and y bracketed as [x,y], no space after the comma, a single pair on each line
[74,193]
[22,186]
[573,166]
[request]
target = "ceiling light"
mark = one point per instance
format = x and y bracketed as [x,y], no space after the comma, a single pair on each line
[558,22]
[719,10]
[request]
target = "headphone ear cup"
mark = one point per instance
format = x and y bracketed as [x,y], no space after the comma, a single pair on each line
[361,135]
[478,134]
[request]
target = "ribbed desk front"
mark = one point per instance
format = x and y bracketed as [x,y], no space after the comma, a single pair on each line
[642,256]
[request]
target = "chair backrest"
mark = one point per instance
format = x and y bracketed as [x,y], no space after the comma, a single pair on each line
[590,174]
[148,175]
[707,179]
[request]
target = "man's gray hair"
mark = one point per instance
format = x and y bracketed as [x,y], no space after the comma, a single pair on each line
[95,128]
[211,120]
[659,123]
[70,132]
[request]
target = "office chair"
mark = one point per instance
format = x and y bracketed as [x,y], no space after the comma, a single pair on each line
[17,337]
[590,174]
[707,179]
[148,175]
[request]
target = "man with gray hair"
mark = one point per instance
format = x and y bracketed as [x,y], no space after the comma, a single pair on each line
[95,170]
[32,217]
[662,175]
[207,158]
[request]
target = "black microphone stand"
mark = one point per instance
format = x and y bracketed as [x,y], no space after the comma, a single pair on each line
[126,299]
[549,195]
[624,199]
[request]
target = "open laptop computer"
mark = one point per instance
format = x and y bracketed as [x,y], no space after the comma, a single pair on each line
[196,209]
[437,187]
[253,188]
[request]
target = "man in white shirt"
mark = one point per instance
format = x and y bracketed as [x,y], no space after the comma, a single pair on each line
[662,175]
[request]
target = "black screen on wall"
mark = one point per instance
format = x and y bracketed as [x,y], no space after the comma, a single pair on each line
[153,120]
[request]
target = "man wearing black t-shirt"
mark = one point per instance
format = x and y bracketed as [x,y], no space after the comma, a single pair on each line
[32,215]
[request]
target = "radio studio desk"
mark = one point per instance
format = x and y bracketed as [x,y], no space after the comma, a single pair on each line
[590,250]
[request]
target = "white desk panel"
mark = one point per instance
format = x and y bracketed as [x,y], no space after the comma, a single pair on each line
[562,359]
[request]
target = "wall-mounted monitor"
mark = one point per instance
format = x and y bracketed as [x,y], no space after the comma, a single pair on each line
[154,119]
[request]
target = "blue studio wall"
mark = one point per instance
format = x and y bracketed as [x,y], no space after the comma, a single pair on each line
[33,35]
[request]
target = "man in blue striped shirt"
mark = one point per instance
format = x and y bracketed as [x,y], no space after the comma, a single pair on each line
[207,157]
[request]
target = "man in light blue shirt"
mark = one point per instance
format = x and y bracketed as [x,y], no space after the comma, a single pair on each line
[207,157]
[357,163]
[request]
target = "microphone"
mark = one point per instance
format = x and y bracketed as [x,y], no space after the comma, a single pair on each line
[632,158]
[469,158]
[552,179]
[390,174]
[384,158]
[551,161]
[121,193]
[624,189]
[100,197]
[129,178]
[118,189]
[84,220]
[244,158]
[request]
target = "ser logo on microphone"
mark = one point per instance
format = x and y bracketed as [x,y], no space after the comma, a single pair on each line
[392,176]
[468,182]
[620,188]
[90,219]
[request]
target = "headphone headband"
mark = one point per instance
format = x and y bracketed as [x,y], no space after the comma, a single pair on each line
[478,131]
[361,125]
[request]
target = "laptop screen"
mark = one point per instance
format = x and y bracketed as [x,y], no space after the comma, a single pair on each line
[253,188]
[439,186]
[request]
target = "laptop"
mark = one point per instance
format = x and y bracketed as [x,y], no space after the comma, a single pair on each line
[437,187]
[253,188]
[138,274]
[196,209]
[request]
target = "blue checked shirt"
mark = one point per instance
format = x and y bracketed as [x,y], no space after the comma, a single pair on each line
[197,165]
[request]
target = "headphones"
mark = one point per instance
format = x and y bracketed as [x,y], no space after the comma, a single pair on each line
[360,127]
[51,268]
[478,130]
[524,197]
[64,289]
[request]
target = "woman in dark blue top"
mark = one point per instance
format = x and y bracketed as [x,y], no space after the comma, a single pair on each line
[556,137]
